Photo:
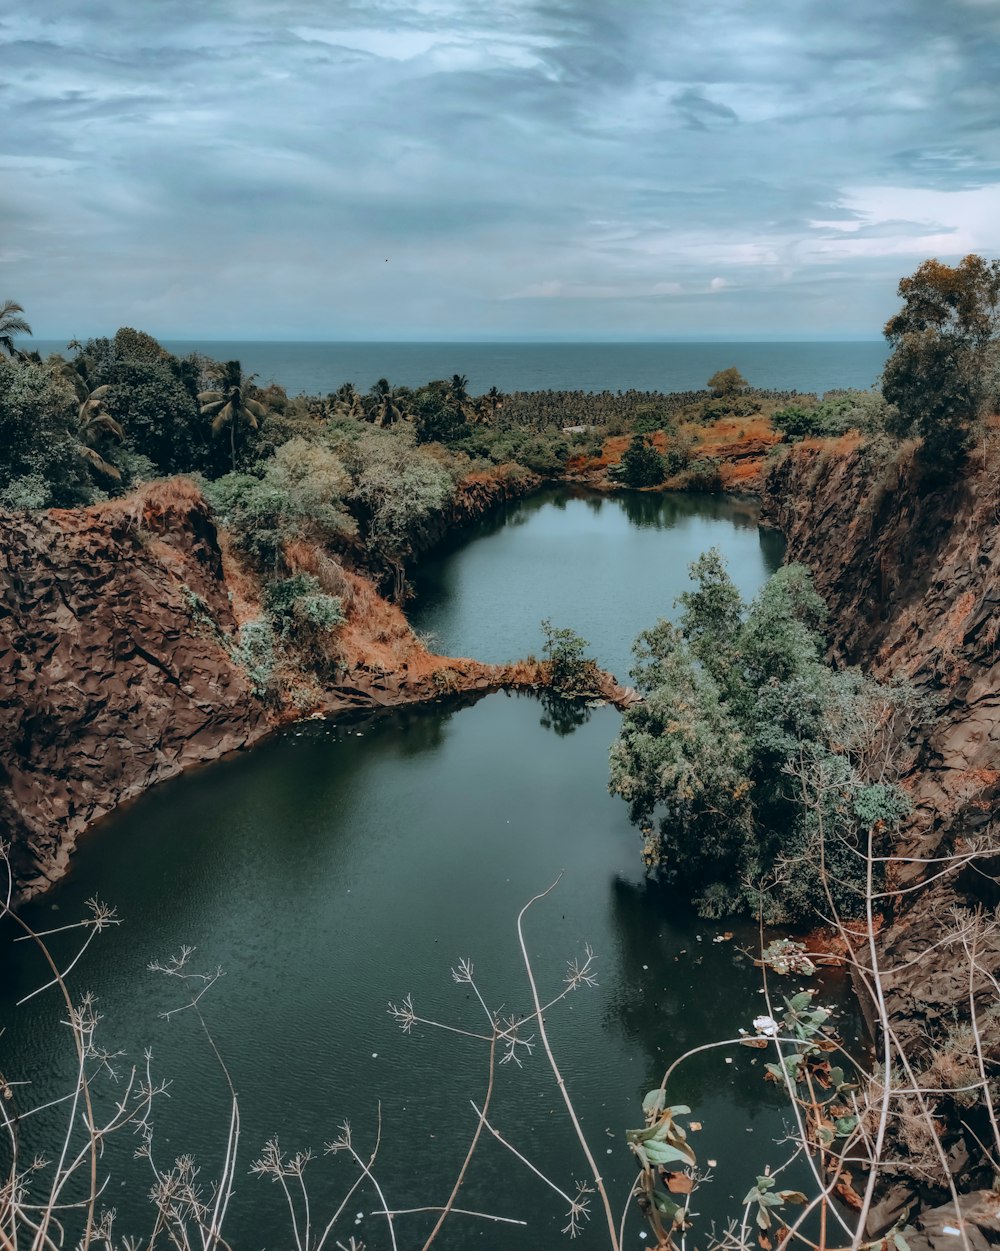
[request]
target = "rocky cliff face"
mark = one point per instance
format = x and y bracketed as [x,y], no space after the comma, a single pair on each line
[109,680]
[911,573]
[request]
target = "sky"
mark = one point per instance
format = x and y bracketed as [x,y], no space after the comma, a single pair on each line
[450,169]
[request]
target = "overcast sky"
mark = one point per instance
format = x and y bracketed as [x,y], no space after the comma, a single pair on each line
[354,169]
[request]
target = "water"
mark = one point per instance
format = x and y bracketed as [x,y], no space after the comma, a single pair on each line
[607,565]
[335,868]
[316,368]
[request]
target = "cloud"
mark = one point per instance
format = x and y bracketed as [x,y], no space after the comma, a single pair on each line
[244,167]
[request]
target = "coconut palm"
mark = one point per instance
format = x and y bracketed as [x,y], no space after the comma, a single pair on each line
[11,324]
[458,390]
[347,402]
[389,406]
[231,405]
[94,420]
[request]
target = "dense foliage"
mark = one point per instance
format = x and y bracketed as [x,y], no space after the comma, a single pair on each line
[942,373]
[642,465]
[762,768]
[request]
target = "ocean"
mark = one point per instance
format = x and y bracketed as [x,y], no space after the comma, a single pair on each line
[317,368]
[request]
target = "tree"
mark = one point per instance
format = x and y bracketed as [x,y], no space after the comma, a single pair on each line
[231,404]
[96,422]
[346,401]
[40,464]
[642,465]
[458,390]
[751,752]
[11,324]
[944,342]
[389,404]
[726,382]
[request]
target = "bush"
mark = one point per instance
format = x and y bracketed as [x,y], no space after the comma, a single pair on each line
[642,465]
[571,672]
[255,654]
[298,607]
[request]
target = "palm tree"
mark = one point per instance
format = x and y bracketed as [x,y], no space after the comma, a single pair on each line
[94,420]
[347,402]
[231,404]
[11,323]
[458,391]
[389,406]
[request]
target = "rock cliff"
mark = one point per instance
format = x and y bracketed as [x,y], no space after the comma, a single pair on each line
[911,573]
[108,681]
[910,569]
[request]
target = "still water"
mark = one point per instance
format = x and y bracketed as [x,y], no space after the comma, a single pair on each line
[336,868]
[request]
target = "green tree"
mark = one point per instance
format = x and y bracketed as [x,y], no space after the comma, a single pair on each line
[96,424]
[389,404]
[571,672]
[231,406]
[755,770]
[944,342]
[40,461]
[438,418]
[726,382]
[11,324]
[641,465]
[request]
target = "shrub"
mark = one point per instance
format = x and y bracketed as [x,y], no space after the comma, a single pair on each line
[642,465]
[255,654]
[299,609]
[571,672]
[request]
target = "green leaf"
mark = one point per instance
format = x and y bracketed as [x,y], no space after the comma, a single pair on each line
[763,1218]
[664,1153]
[799,1002]
[680,1109]
[846,1125]
[900,1241]
[665,1206]
[654,1101]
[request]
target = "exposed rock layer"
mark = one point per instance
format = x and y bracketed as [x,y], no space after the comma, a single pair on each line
[107,681]
[911,574]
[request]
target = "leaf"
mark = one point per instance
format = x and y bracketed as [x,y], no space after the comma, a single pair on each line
[793,1196]
[799,1002]
[900,1241]
[664,1153]
[679,1183]
[654,1101]
[680,1109]
[666,1206]
[765,1242]
[763,1218]
[845,1125]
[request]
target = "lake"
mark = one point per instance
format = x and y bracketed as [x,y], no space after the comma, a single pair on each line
[336,868]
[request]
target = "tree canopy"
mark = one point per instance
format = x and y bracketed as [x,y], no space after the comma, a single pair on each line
[941,372]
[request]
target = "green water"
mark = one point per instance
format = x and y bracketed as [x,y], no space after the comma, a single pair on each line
[335,868]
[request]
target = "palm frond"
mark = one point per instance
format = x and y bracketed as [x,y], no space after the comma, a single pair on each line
[98,462]
[222,418]
[209,397]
